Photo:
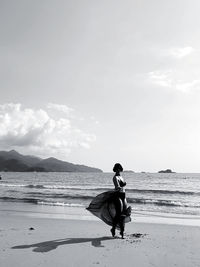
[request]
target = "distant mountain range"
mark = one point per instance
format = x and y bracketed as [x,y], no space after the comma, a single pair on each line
[15,162]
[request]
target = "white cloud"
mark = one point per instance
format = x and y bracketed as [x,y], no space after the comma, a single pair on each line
[181,51]
[38,131]
[61,108]
[180,77]
[162,78]
[168,79]
[187,87]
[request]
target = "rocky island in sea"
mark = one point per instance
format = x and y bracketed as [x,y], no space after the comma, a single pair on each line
[13,161]
[166,171]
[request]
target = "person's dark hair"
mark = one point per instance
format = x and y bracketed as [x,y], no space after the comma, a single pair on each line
[118,167]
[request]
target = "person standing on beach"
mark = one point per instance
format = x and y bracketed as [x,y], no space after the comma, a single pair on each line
[120,199]
[111,206]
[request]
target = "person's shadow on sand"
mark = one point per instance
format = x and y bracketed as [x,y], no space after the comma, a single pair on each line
[53,244]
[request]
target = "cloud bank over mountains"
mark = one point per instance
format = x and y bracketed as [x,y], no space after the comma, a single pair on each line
[49,131]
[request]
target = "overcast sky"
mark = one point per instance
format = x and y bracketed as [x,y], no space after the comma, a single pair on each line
[99,82]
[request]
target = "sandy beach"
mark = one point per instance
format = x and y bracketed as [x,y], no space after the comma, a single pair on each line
[82,242]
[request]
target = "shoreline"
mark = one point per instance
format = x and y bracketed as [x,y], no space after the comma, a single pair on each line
[76,242]
[80,213]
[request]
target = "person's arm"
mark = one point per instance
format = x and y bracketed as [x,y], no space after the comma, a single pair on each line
[116,183]
[123,184]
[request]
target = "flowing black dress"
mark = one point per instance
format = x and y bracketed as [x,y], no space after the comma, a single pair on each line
[103,206]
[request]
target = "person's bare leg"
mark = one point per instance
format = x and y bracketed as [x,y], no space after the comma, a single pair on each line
[118,207]
[122,226]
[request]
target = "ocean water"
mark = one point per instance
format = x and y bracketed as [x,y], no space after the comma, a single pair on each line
[146,192]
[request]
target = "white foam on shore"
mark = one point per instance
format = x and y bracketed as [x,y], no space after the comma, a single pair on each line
[62,204]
